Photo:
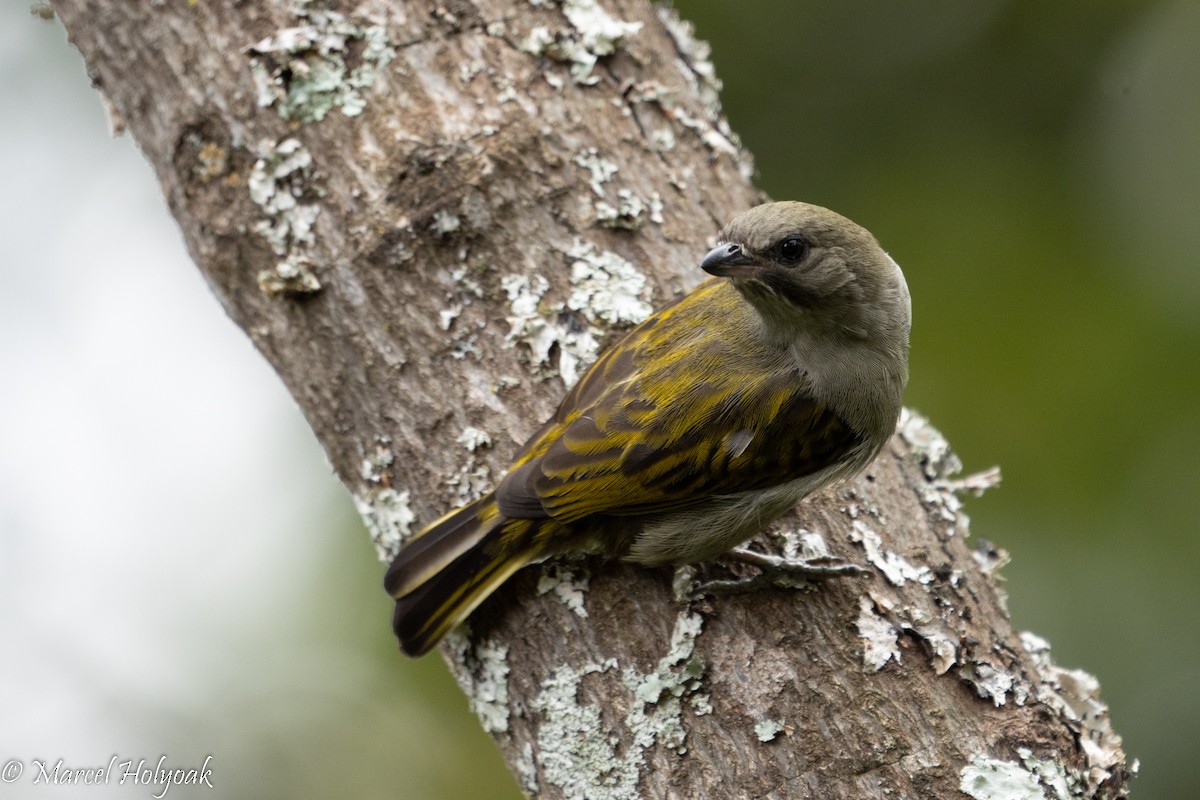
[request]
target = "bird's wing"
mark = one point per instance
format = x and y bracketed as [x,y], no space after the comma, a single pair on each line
[669,417]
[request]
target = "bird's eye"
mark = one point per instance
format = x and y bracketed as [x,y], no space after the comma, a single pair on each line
[792,250]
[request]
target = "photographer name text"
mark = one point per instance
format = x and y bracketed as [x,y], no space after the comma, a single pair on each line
[157,776]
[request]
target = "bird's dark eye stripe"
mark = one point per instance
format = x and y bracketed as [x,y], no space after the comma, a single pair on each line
[793,249]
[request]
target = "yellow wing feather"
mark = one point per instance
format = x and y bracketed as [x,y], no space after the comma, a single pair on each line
[667,419]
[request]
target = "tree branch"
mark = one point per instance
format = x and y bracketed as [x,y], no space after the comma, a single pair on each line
[428,217]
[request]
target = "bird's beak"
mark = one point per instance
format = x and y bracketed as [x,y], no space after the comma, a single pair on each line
[729,261]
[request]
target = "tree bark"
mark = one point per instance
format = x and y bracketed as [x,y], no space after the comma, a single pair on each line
[428,217]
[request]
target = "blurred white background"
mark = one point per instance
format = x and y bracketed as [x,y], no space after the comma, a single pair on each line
[156,481]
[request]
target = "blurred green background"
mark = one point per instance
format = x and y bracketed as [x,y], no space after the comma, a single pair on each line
[1035,168]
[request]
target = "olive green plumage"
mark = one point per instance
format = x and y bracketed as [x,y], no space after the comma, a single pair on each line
[704,423]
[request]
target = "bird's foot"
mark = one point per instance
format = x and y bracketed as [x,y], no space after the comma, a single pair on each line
[792,573]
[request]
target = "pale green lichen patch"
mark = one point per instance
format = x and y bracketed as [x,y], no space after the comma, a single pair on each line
[929,445]
[525,768]
[292,277]
[279,178]
[1049,773]
[482,674]
[678,669]
[662,722]
[768,729]
[569,583]
[626,215]
[575,752]
[474,478]
[991,682]
[466,290]
[1032,778]
[599,168]
[605,289]
[714,131]
[880,637]
[656,208]
[474,439]
[594,34]
[683,583]
[696,53]
[894,567]
[446,316]
[985,778]
[377,461]
[943,646]
[701,704]
[445,223]
[598,30]
[881,621]
[631,212]
[697,68]
[663,138]
[658,717]
[527,324]
[882,618]
[1075,695]
[470,483]
[803,545]
[938,462]
[388,517]
[302,71]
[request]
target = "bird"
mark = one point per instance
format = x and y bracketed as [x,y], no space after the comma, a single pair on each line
[777,376]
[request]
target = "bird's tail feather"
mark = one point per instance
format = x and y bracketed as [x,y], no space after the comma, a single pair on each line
[441,576]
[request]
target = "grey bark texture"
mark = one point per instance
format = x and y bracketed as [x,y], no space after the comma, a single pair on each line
[428,216]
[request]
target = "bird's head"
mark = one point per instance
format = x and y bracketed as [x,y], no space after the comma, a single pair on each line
[805,268]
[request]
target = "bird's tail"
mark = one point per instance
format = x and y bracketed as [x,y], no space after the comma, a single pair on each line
[443,574]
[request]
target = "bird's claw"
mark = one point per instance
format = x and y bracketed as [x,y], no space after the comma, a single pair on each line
[778,571]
